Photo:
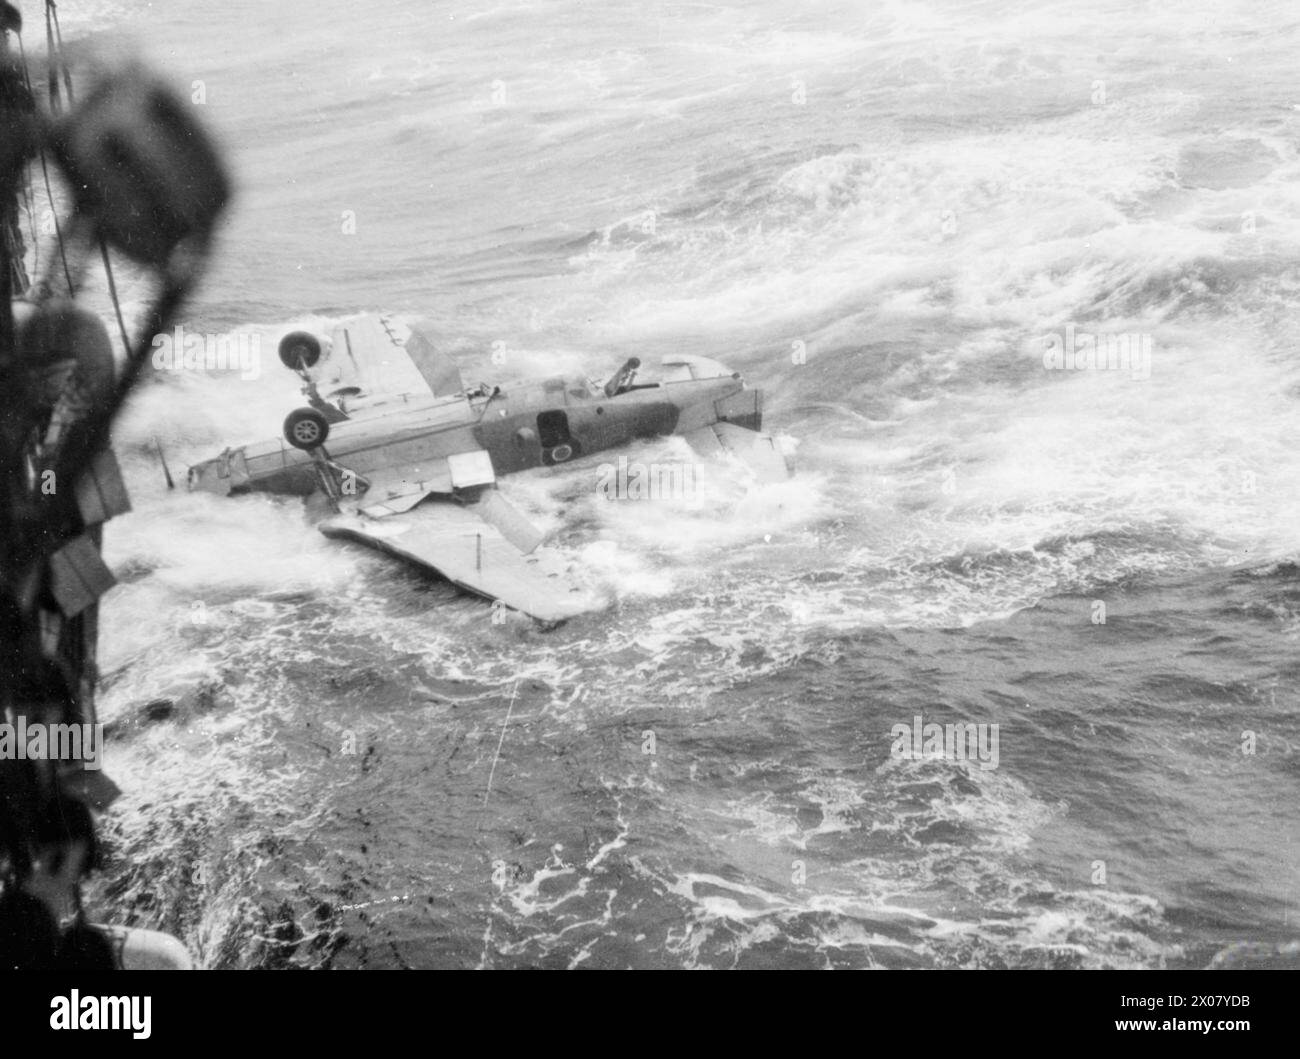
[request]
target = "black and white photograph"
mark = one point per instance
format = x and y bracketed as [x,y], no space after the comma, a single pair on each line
[573,485]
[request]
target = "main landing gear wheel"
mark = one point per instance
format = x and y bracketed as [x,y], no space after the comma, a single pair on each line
[306,428]
[299,350]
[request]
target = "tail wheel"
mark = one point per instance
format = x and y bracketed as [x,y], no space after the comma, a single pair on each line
[299,349]
[306,428]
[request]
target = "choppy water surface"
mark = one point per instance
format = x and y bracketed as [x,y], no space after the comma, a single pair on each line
[914,195]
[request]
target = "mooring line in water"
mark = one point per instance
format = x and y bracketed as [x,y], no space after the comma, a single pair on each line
[497,756]
[487,932]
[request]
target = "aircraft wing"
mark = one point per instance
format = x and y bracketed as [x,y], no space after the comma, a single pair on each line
[758,451]
[380,357]
[368,356]
[455,541]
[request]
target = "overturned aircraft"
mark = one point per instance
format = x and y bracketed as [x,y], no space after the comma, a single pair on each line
[403,457]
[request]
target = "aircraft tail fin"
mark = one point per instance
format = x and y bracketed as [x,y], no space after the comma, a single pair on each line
[684,368]
[758,451]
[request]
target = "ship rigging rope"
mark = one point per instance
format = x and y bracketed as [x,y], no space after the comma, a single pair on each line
[45,172]
[29,204]
[59,66]
[52,12]
[29,200]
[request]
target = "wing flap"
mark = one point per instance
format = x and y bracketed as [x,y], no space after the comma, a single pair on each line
[493,508]
[399,488]
[437,369]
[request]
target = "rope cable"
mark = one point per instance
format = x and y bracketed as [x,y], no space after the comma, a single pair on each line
[52,9]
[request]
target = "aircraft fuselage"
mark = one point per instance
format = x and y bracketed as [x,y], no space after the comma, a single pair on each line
[522,427]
